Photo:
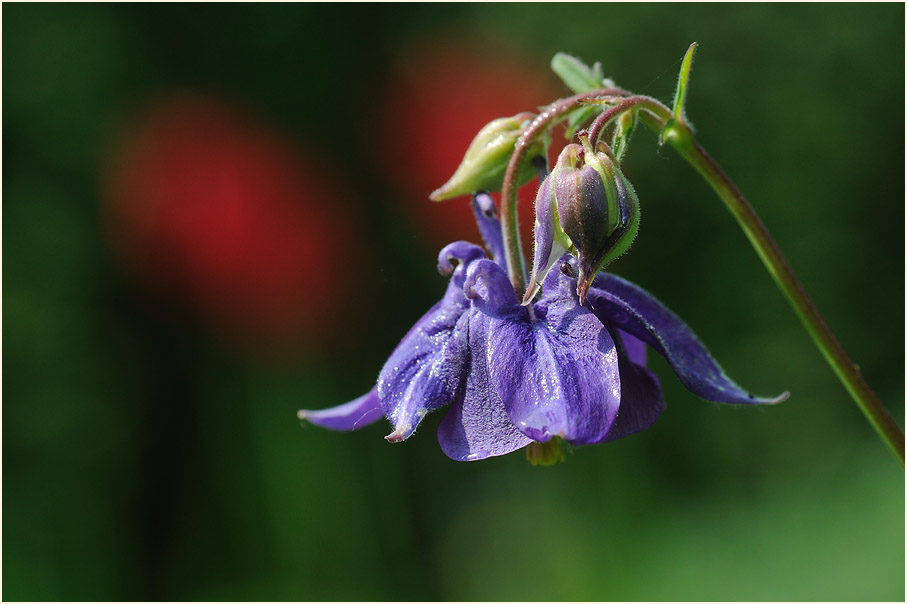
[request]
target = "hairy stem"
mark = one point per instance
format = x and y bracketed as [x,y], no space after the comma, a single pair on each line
[657,113]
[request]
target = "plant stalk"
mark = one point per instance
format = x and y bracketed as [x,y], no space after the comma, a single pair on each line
[682,140]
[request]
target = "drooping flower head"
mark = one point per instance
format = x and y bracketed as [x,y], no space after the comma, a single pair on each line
[519,375]
[564,357]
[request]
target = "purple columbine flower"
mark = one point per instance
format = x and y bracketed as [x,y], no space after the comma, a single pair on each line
[515,375]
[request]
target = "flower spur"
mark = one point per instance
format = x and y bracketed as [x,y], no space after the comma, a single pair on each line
[518,376]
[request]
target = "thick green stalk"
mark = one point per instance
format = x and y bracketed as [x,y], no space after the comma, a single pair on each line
[680,137]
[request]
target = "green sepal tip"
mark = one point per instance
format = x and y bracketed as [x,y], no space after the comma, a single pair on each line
[682,79]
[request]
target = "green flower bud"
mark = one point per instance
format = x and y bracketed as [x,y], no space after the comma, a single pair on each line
[485,163]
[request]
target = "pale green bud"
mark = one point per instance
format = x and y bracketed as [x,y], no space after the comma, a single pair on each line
[485,163]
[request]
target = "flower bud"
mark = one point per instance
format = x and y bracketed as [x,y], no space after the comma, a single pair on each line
[485,163]
[587,207]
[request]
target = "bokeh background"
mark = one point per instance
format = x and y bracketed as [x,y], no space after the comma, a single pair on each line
[214,215]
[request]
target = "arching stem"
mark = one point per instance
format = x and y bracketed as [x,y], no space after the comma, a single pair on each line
[681,138]
[647,105]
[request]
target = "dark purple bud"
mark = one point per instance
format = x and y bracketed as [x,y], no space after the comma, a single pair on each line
[582,205]
[585,206]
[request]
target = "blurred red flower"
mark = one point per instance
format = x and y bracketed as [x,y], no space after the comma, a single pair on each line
[207,207]
[439,95]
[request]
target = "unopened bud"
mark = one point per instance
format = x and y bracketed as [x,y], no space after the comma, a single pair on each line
[587,207]
[485,163]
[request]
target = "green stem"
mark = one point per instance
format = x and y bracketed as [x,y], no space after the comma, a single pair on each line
[652,107]
[681,138]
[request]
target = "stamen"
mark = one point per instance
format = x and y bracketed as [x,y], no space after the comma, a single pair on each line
[546,453]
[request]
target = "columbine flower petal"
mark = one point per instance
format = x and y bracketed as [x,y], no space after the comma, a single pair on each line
[477,425]
[634,348]
[463,253]
[486,214]
[641,399]
[358,413]
[621,304]
[557,376]
[427,368]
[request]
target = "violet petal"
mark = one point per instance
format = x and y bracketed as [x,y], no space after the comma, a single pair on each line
[641,398]
[464,253]
[486,214]
[621,304]
[634,348]
[477,425]
[557,375]
[490,290]
[426,369]
[358,413]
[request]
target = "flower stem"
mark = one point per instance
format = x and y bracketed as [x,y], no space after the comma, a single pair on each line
[681,138]
[656,109]
[513,248]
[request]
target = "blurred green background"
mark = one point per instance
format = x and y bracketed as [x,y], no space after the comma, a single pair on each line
[151,453]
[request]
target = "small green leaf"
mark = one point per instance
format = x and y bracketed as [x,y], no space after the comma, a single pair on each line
[682,79]
[578,76]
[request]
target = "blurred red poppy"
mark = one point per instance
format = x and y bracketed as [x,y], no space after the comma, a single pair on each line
[439,95]
[207,207]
